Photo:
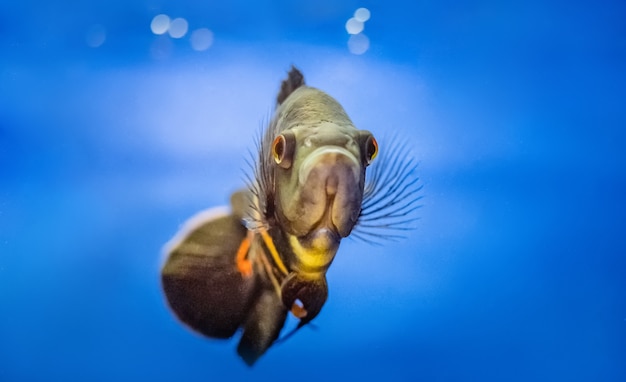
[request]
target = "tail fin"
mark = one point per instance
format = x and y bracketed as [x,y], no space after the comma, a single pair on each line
[294,80]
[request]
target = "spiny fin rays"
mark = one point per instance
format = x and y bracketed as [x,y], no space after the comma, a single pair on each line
[294,80]
[391,195]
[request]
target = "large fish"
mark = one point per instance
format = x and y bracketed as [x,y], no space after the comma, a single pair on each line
[249,266]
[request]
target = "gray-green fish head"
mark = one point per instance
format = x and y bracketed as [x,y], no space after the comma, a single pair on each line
[319,179]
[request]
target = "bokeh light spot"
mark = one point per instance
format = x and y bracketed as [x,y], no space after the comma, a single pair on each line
[358,43]
[178,27]
[201,39]
[95,36]
[362,14]
[160,24]
[354,26]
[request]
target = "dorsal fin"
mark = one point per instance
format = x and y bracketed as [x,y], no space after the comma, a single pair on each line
[294,80]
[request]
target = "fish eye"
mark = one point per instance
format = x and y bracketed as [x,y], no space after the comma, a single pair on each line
[283,148]
[371,149]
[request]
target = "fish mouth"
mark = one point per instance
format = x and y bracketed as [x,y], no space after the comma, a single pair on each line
[326,227]
[321,238]
[322,242]
[329,179]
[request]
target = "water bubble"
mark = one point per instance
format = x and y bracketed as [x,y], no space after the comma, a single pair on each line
[160,24]
[354,26]
[201,39]
[358,43]
[178,27]
[362,14]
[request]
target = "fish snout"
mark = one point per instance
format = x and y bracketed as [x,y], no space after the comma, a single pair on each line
[331,179]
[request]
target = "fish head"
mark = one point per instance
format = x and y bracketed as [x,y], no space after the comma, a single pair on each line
[319,180]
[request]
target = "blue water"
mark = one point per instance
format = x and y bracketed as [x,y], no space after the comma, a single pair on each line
[111,136]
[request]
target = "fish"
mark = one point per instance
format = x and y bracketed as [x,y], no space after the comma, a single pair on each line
[312,183]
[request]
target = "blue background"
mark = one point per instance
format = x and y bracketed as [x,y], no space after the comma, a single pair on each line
[515,111]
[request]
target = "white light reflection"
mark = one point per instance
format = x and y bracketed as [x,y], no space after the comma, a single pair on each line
[95,36]
[358,43]
[178,27]
[354,26]
[362,14]
[160,24]
[201,39]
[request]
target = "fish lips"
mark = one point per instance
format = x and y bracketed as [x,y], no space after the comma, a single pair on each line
[330,191]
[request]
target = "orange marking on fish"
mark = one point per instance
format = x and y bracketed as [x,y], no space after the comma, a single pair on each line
[244,266]
[298,310]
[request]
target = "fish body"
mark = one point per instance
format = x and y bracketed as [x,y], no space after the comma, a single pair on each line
[248,267]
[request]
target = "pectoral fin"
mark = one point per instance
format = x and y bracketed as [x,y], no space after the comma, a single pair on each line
[200,278]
